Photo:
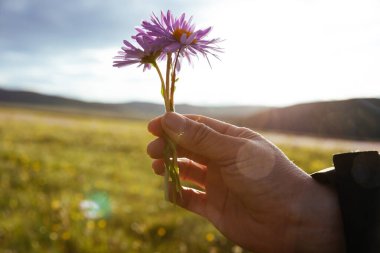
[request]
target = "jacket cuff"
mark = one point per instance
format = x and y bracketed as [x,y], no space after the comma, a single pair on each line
[356,178]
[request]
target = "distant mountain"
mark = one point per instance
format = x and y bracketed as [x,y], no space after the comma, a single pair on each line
[136,110]
[354,119]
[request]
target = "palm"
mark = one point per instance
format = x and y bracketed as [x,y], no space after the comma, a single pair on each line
[229,213]
[225,211]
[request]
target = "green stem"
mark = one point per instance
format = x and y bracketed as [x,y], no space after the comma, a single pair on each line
[166,98]
[170,152]
[168,67]
[172,87]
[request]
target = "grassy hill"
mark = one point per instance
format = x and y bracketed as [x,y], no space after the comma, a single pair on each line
[347,119]
[132,110]
[353,118]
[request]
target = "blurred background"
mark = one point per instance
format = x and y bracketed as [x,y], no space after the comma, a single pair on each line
[74,175]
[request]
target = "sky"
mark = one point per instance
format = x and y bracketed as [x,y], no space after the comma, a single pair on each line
[276,52]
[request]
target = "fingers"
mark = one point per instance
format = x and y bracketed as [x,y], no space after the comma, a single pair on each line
[156,148]
[155,126]
[188,171]
[223,127]
[192,200]
[199,138]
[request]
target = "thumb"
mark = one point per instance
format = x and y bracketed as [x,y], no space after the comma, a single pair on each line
[199,138]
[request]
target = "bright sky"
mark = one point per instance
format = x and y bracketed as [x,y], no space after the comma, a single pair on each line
[276,52]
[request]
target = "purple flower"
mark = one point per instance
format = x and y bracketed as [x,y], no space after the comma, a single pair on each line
[132,55]
[165,35]
[173,39]
[174,34]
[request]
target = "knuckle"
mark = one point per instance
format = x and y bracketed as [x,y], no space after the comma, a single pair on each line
[186,172]
[248,133]
[200,134]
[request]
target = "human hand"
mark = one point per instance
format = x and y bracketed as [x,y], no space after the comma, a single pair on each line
[250,190]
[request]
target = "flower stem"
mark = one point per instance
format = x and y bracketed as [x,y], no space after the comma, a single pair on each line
[170,151]
[168,67]
[172,87]
[163,88]
[167,140]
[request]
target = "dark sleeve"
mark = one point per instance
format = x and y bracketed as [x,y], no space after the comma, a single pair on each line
[356,178]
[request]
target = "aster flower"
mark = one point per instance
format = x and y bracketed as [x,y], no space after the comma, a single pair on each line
[132,55]
[179,35]
[172,39]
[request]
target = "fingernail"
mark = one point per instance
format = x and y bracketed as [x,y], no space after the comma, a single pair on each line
[175,122]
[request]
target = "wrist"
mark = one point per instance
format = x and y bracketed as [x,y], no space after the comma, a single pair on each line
[319,226]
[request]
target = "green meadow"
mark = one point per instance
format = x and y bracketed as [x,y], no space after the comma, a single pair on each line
[71,183]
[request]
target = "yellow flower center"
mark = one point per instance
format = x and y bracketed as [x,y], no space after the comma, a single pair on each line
[150,58]
[177,33]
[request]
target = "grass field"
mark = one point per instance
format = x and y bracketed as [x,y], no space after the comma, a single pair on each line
[84,184]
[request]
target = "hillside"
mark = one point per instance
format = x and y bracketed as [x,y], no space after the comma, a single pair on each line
[354,119]
[348,119]
[136,110]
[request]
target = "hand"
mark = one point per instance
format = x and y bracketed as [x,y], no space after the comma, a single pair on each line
[251,191]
